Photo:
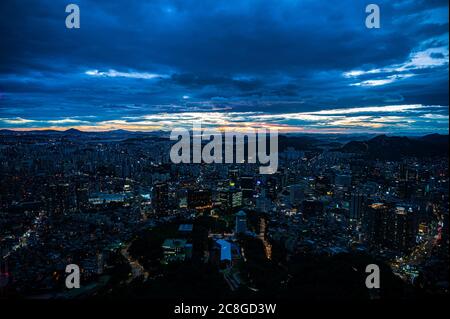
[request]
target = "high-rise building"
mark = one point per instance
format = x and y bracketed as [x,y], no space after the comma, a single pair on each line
[199,199]
[236,198]
[356,206]
[247,184]
[241,222]
[404,227]
[229,198]
[263,204]
[376,222]
[160,198]
[391,226]
[271,188]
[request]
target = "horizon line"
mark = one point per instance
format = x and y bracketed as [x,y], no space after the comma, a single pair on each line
[318,132]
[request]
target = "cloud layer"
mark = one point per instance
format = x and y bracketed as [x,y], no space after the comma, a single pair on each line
[308,66]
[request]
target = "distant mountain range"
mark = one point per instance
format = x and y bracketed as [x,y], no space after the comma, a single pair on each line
[396,147]
[381,146]
[75,132]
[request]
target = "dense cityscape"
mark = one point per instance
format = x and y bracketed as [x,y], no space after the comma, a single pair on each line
[194,159]
[140,226]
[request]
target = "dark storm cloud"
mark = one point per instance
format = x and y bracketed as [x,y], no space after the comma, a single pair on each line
[141,57]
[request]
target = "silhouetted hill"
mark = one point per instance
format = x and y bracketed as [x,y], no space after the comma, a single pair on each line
[397,147]
[73,131]
[120,131]
[435,138]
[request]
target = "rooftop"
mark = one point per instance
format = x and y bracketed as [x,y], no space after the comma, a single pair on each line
[186,227]
[174,243]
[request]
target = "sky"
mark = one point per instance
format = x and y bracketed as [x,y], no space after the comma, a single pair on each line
[305,66]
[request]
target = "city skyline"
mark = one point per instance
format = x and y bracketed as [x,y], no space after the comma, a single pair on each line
[299,66]
[224,156]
